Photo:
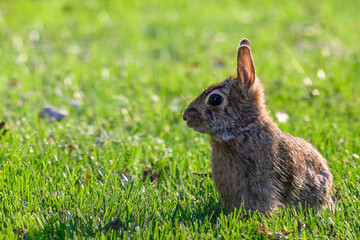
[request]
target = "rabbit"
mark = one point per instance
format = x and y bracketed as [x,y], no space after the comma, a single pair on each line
[255,165]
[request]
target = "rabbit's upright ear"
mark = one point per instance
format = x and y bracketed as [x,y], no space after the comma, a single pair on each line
[245,65]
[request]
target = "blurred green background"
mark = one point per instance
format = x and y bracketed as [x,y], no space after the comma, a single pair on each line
[124,71]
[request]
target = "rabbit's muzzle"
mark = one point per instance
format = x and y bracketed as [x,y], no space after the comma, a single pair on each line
[193,119]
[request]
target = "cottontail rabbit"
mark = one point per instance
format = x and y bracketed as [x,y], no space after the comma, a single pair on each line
[254,163]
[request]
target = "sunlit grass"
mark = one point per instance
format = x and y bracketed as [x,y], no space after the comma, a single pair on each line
[124,71]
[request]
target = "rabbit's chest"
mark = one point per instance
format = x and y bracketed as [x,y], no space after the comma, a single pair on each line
[241,181]
[231,179]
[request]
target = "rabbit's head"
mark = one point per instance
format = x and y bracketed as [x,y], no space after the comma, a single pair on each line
[226,109]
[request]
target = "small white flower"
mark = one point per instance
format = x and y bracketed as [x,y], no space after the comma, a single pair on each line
[68,80]
[174,107]
[315,92]
[22,58]
[77,95]
[282,116]
[155,98]
[321,74]
[34,36]
[307,81]
[159,140]
[105,73]
[124,111]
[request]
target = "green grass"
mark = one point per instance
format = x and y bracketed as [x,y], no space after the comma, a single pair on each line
[134,66]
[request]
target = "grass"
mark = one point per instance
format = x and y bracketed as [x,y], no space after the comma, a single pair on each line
[133,66]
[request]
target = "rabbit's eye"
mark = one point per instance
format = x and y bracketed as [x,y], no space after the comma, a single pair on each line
[215,100]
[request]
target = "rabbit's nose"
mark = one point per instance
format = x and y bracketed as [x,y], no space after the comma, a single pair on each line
[184,116]
[189,113]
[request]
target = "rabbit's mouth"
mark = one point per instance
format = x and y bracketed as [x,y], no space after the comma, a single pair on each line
[195,124]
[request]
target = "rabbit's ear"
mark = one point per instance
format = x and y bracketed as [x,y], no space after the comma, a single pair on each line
[245,65]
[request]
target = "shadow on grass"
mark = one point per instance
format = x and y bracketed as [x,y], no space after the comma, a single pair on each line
[206,212]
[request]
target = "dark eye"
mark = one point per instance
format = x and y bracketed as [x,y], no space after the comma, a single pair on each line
[215,100]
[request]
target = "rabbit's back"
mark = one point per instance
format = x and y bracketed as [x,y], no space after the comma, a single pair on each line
[306,177]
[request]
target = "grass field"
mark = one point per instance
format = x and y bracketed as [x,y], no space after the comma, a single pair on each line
[124,71]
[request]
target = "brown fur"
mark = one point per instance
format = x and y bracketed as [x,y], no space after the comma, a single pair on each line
[254,163]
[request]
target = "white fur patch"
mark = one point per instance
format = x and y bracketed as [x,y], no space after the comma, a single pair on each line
[224,137]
